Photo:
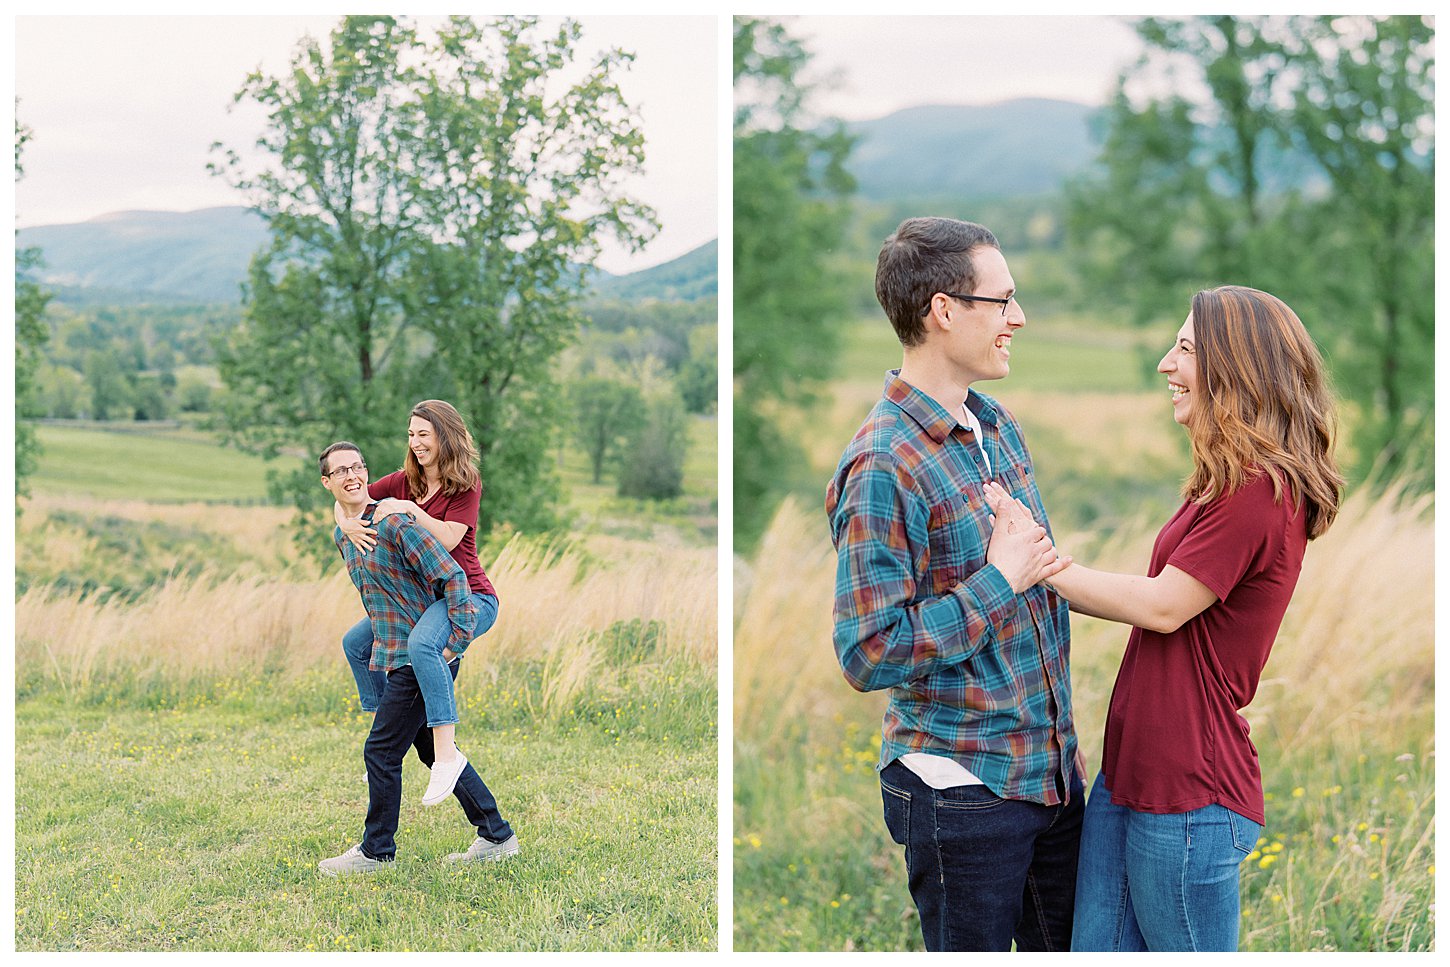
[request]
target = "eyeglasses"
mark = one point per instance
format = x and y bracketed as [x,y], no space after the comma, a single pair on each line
[974,298]
[341,473]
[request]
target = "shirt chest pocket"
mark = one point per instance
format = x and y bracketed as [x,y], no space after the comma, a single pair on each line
[958,543]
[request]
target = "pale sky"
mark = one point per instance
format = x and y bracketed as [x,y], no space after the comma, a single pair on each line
[870,66]
[125,108]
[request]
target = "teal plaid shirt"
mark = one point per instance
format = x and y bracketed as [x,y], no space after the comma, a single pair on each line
[975,672]
[408,570]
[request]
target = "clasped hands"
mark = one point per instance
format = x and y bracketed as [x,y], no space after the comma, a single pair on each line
[1019,547]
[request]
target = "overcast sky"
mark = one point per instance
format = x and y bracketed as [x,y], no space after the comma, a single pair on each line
[124,109]
[872,66]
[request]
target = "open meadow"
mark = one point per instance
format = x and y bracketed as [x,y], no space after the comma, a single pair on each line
[1343,719]
[189,741]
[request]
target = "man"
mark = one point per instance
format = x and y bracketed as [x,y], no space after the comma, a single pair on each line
[979,769]
[406,571]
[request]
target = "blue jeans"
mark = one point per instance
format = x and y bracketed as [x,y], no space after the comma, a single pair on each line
[425,651]
[1159,881]
[399,724]
[985,871]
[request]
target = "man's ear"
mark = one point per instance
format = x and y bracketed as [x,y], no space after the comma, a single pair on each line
[938,313]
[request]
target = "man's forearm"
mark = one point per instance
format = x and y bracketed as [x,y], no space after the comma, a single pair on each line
[462,611]
[897,643]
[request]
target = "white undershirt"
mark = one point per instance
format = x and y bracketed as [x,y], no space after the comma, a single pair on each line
[937,771]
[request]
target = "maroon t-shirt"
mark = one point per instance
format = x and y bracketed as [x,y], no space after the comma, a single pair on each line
[460,507]
[1174,739]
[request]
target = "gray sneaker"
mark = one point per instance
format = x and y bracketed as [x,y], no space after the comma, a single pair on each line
[483,849]
[353,861]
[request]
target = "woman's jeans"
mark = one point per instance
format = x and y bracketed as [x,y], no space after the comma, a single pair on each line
[425,652]
[1159,881]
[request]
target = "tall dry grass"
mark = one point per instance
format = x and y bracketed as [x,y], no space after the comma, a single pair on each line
[1355,653]
[555,607]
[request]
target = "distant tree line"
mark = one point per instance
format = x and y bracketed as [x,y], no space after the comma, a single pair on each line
[137,362]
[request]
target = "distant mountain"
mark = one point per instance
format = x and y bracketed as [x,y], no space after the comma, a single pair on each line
[692,276]
[201,257]
[1022,147]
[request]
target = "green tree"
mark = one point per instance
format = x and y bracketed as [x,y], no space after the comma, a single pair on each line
[790,216]
[699,378]
[432,207]
[1364,109]
[322,350]
[61,392]
[515,173]
[605,412]
[107,384]
[1301,167]
[30,336]
[656,448]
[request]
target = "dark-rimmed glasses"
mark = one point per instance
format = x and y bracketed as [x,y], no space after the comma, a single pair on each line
[341,472]
[961,297]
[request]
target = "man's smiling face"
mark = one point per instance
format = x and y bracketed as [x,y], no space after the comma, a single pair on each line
[981,337]
[347,478]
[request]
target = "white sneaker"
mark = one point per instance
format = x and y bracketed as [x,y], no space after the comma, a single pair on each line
[483,849]
[443,777]
[353,861]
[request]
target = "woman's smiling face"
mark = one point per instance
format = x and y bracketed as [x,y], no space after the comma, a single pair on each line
[422,441]
[1180,365]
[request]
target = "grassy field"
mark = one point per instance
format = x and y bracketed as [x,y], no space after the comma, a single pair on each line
[145,464]
[189,742]
[1343,720]
[131,462]
[691,518]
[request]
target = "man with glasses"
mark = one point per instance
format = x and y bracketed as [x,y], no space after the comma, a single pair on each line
[980,773]
[408,570]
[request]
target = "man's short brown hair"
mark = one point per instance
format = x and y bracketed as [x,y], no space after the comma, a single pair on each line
[922,257]
[339,445]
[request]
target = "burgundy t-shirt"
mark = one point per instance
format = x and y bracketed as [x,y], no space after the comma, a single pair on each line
[460,507]
[1174,739]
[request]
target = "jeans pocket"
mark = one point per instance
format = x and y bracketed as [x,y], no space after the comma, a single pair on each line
[975,796]
[1245,832]
[896,809]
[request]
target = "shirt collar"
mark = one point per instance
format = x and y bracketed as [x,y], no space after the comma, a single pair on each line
[935,421]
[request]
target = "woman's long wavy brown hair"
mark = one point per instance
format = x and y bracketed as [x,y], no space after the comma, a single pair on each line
[457,456]
[1268,410]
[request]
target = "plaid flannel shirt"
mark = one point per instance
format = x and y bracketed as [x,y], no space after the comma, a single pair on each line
[399,578]
[976,673]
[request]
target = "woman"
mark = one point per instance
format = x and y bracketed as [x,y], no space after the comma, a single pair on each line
[439,487]
[1179,801]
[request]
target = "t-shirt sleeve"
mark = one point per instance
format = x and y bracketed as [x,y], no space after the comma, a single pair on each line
[462,508]
[394,484]
[1232,537]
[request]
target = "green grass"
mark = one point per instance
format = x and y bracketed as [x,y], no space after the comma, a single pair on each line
[1346,862]
[151,464]
[146,825]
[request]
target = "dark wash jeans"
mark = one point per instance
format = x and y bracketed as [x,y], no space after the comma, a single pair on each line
[985,871]
[401,721]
